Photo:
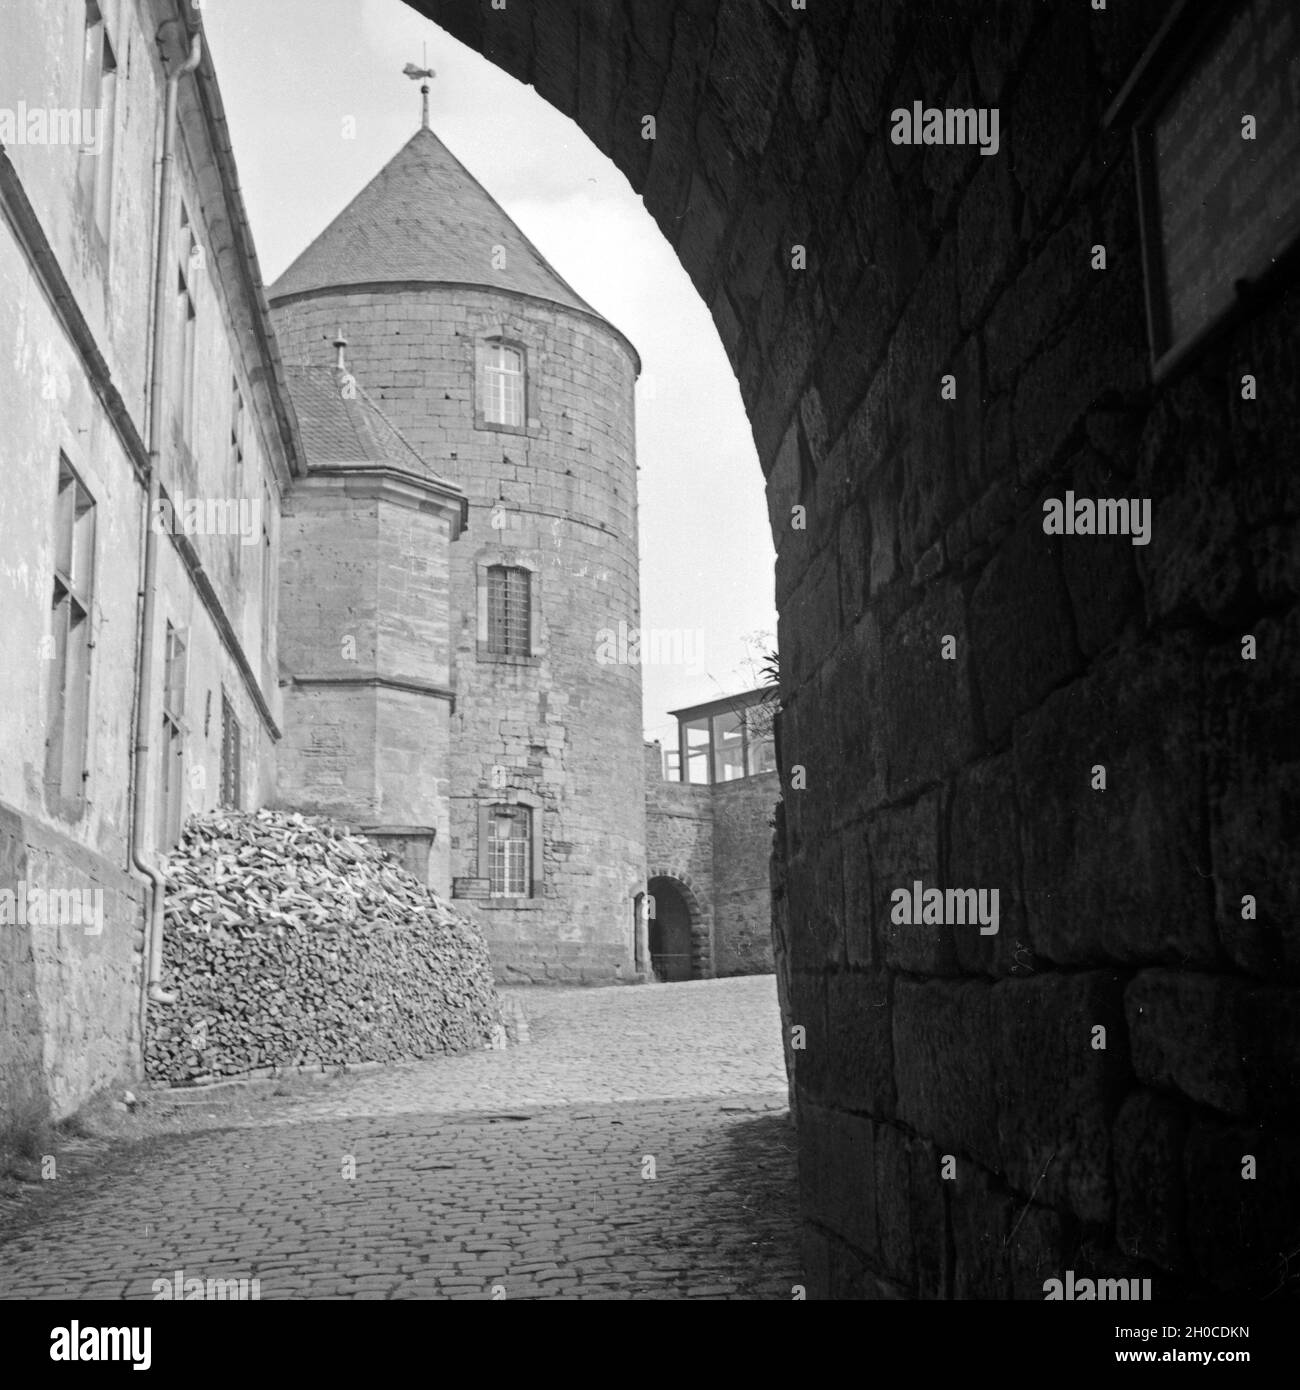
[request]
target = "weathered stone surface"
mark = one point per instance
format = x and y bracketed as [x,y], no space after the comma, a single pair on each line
[861,1042]
[1222,1042]
[1056,1089]
[1035,1250]
[894,1248]
[1022,639]
[920,702]
[944,1060]
[1100,572]
[980,1216]
[811,1065]
[837,1180]
[1253,781]
[1242,1229]
[1068,660]
[983,834]
[929,1221]
[1150,1215]
[1139,719]
[903,847]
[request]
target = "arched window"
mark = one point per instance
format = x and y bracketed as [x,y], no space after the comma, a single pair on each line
[509,611]
[510,851]
[501,384]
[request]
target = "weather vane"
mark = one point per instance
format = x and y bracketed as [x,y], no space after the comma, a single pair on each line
[422,75]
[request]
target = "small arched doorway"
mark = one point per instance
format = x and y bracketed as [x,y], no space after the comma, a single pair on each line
[670,931]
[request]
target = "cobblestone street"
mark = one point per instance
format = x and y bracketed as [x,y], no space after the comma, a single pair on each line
[636,1147]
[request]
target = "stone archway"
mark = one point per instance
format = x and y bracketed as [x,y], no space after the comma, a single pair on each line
[927,348]
[681,930]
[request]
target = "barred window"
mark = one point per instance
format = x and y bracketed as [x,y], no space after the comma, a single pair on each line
[509,611]
[509,851]
[502,385]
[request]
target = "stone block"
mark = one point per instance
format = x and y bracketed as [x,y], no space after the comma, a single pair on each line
[894,1205]
[1020,629]
[1150,1207]
[943,1067]
[860,1042]
[920,702]
[929,1220]
[1253,784]
[983,852]
[837,1174]
[902,847]
[1100,571]
[987,246]
[980,1218]
[1057,1092]
[1223,1042]
[1036,1250]
[815,1249]
[1243,1231]
[811,1066]
[1064,381]
[1117,874]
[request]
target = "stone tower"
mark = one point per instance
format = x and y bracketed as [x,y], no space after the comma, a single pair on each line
[511,387]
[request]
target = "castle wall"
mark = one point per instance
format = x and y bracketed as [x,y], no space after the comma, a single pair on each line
[679,845]
[558,498]
[742,889]
[364,640]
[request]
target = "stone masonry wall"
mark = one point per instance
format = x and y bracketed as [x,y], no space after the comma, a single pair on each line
[679,845]
[69,972]
[558,498]
[742,891]
[1120,909]
[364,598]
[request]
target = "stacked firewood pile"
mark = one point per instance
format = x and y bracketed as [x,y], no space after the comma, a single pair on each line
[291,942]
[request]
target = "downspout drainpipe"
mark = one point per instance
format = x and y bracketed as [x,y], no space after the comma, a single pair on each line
[144,671]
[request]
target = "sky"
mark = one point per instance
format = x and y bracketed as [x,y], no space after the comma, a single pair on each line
[292,72]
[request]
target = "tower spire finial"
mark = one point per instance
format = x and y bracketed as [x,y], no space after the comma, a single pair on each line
[422,75]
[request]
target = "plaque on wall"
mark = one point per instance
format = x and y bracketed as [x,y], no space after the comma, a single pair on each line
[1218,155]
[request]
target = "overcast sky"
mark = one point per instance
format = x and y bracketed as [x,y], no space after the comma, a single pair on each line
[292,70]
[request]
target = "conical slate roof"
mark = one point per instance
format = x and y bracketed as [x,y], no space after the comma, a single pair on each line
[424,217]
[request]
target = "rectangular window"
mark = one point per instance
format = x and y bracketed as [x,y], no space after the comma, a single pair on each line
[509,851]
[69,647]
[235,461]
[695,752]
[231,755]
[268,575]
[762,751]
[185,352]
[98,106]
[509,611]
[171,752]
[502,385]
[189,256]
[728,747]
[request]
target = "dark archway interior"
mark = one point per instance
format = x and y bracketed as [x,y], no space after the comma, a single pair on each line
[670,931]
[930,347]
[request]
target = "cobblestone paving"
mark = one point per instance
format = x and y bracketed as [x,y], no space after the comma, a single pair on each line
[636,1147]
